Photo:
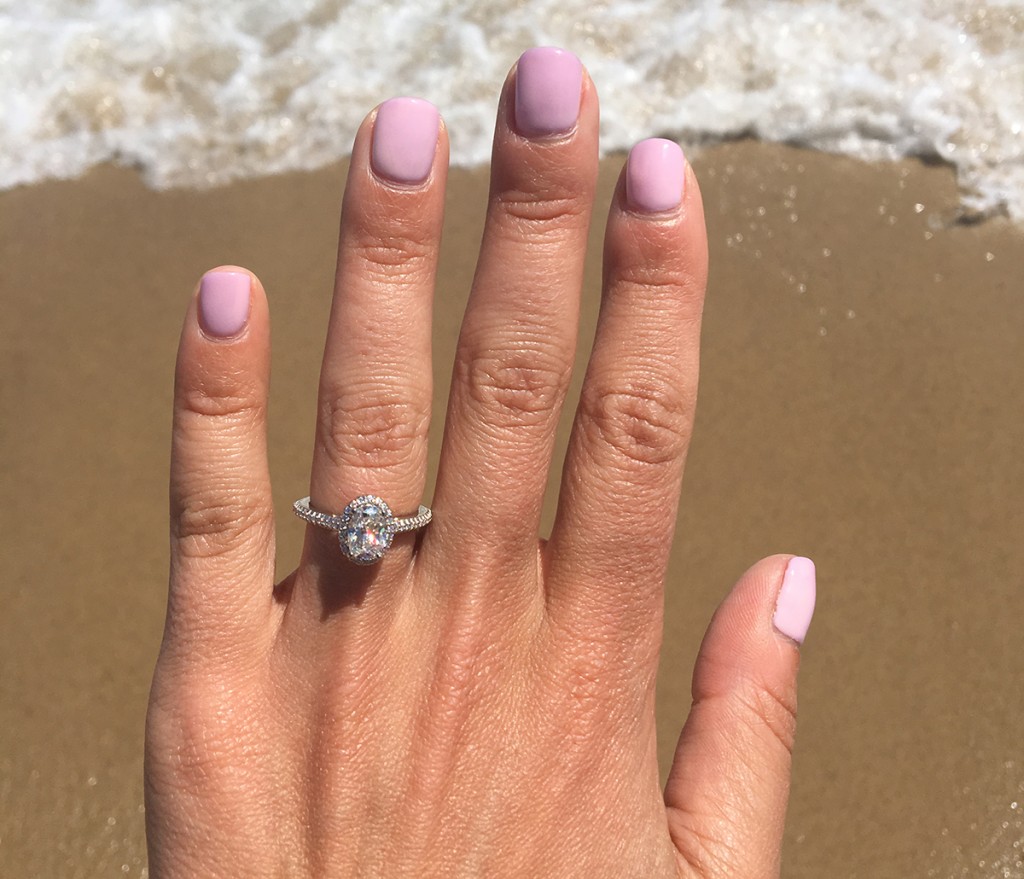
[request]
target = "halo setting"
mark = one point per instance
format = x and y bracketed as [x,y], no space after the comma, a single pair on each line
[366,529]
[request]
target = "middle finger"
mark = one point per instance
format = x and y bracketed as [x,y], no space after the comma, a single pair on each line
[518,338]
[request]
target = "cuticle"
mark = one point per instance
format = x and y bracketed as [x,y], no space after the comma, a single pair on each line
[398,186]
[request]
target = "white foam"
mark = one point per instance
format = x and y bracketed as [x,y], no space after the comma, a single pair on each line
[197,94]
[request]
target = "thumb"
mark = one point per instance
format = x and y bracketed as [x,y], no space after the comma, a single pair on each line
[727,790]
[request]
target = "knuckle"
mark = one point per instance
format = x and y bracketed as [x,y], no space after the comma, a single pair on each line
[515,385]
[706,843]
[641,423]
[373,428]
[652,274]
[548,207]
[211,526]
[192,744]
[772,710]
[394,256]
[240,406]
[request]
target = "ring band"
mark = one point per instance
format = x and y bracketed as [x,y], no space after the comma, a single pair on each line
[365,527]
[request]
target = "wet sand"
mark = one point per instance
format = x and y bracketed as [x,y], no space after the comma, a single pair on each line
[861,403]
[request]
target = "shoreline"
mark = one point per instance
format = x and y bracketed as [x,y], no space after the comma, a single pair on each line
[962,215]
[860,397]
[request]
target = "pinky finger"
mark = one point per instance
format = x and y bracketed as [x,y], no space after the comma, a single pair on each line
[222,535]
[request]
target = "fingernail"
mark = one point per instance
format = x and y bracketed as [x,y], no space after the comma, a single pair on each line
[655,174]
[224,302]
[404,140]
[795,604]
[548,83]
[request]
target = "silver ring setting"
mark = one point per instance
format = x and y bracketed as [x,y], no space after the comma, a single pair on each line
[365,527]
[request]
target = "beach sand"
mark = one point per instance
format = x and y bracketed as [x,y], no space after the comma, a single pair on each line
[861,403]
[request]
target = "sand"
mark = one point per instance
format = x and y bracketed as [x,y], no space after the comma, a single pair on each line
[860,403]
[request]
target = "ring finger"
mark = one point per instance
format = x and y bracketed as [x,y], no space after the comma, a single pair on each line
[375,383]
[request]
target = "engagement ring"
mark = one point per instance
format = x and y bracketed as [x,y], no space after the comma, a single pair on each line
[365,527]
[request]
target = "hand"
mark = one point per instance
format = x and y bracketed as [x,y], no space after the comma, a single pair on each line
[479,703]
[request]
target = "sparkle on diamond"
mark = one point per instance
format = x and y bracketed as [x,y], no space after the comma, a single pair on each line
[368,531]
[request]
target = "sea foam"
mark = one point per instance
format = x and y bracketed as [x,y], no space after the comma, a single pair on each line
[196,94]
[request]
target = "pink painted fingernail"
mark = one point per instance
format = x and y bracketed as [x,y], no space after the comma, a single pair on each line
[224,302]
[655,175]
[795,604]
[405,140]
[548,83]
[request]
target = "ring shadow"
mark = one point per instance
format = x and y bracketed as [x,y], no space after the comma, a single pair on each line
[339,583]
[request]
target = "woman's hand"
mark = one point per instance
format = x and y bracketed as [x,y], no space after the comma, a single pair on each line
[479,703]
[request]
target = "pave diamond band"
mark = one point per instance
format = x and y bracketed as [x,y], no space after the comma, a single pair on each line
[365,527]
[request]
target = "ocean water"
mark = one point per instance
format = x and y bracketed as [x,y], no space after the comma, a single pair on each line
[196,93]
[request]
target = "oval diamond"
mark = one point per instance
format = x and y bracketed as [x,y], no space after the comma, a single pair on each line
[367,529]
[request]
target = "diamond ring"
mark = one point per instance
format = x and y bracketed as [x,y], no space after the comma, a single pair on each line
[365,527]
